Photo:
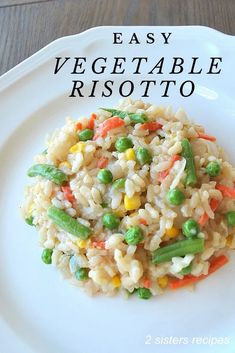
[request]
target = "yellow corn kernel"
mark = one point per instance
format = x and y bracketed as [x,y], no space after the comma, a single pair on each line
[81,146]
[116,281]
[172,232]
[120,212]
[77,148]
[65,164]
[229,240]
[83,244]
[132,203]
[163,281]
[130,154]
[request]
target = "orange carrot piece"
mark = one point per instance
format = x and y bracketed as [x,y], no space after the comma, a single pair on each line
[175,158]
[68,193]
[215,264]
[151,126]
[78,126]
[143,221]
[108,125]
[102,162]
[206,137]
[147,283]
[162,175]
[99,244]
[214,203]
[203,219]
[91,121]
[226,191]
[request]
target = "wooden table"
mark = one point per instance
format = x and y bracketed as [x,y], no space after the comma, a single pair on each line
[28,25]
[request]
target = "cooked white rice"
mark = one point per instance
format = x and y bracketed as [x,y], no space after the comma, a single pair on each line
[112,264]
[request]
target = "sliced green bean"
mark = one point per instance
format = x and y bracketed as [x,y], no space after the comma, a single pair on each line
[49,172]
[180,248]
[186,270]
[134,117]
[187,153]
[67,223]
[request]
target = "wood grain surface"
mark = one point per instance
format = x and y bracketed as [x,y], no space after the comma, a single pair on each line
[28,25]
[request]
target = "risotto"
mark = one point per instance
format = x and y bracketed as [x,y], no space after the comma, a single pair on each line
[135,199]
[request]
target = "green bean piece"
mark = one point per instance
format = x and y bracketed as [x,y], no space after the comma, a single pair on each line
[187,153]
[138,118]
[180,248]
[119,183]
[49,172]
[46,256]
[29,221]
[186,270]
[144,293]
[67,223]
[134,117]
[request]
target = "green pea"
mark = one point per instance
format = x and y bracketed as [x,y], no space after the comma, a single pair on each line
[123,143]
[29,221]
[230,216]
[190,228]
[213,169]
[119,183]
[86,134]
[46,256]
[134,235]
[175,197]
[144,293]
[186,270]
[105,176]
[110,221]
[143,156]
[82,274]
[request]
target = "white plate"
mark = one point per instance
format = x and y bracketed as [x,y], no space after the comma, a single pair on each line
[39,312]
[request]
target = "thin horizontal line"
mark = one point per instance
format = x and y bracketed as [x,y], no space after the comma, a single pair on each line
[25,3]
